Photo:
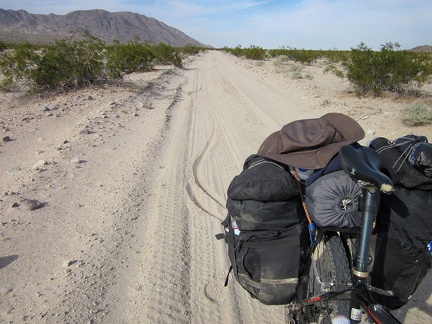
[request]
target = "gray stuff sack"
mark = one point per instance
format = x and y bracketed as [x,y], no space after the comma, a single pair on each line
[334,200]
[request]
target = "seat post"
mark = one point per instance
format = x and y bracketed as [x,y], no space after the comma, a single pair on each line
[360,271]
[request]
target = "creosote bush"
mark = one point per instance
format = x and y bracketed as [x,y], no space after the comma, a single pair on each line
[69,64]
[252,53]
[127,58]
[73,63]
[3,46]
[373,72]
[370,72]
[166,54]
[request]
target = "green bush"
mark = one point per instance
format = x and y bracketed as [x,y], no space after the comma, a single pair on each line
[296,75]
[3,46]
[167,54]
[237,51]
[17,65]
[128,58]
[70,64]
[191,49]
[301,56]
[254,53]
[333,68]
[416,114]
[64,65]
[373,72]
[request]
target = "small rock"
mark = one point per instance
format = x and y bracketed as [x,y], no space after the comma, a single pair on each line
[75,159]
[30,204]
[39,165]
[85,132]
[13,170]
[371,132]
[68,263]
[15,205]
[6,139]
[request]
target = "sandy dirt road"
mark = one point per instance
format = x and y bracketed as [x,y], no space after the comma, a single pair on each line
[133,187]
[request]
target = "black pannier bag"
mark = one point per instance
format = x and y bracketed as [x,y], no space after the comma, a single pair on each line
[397,270]
[397,163]
[265,230]
[406,214]
[404,222]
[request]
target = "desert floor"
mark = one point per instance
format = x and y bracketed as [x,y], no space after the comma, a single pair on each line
[132,179]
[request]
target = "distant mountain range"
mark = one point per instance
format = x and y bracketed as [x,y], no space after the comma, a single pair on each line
[423,48]
[16,26]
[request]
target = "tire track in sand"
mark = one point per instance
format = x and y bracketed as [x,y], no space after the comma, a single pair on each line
[215,144]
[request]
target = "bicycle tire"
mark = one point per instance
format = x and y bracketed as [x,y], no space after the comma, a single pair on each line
[329,271]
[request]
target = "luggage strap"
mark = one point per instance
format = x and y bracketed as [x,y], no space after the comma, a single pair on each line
[311,225]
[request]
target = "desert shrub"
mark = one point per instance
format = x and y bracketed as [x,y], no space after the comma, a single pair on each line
[61,66]
[336,70]
[305,56]
[128,58]
[296,75]
[167,54]
[372,72]
[296,68]
[3,46]
[334,56]
[237,51]
[254,53]
[309,76]
[281,61]
[191,49]
[70,64]
[18,64]
[416,114]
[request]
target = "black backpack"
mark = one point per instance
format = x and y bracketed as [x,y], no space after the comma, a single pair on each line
[265,231]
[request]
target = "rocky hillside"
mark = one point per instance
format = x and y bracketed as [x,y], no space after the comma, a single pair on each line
[123,26]
[423,48]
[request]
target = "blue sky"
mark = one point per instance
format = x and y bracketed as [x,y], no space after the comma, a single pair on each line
[308,24]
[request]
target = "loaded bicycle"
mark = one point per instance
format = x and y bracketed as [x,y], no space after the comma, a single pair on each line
[338,237]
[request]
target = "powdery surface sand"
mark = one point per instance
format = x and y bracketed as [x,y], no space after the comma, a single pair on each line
[133,184]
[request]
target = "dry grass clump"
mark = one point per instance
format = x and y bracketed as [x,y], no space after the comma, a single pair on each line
[417,114]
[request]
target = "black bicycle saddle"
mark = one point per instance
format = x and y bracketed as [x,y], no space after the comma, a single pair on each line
[363,166]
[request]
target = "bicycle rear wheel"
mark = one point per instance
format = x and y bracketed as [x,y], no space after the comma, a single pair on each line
[329,271]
